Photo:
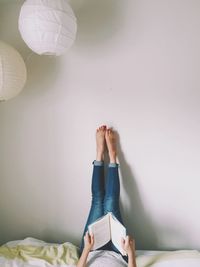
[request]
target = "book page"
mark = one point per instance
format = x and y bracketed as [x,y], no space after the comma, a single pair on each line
[118,231]
[101,231]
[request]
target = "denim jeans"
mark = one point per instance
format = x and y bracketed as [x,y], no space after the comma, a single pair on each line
[105,197]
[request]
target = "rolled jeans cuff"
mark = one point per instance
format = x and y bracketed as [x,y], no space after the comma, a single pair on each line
[113,165]
[98,163]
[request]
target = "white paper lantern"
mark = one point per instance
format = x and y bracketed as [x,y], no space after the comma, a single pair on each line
[12,72]
[48,27]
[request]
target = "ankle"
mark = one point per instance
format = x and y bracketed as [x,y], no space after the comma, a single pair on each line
[113,158]
[99,156]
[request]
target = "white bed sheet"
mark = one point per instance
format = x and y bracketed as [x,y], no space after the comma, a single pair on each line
[178,258]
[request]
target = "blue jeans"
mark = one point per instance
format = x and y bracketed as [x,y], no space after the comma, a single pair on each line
[105,197]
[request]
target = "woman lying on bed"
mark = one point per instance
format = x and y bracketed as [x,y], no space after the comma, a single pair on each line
[105,199]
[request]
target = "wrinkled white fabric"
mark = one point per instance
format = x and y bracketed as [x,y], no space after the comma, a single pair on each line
[178,263]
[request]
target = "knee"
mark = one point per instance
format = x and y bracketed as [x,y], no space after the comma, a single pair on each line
[97,200]
[111,204]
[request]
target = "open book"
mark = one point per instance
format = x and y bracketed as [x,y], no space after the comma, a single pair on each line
[105,229]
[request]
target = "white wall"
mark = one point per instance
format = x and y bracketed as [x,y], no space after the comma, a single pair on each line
[135,66]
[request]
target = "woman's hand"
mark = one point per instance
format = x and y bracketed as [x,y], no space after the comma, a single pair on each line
[88,244]
[128,245]
[88,241]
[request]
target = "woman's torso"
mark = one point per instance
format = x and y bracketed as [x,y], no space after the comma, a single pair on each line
[101,258]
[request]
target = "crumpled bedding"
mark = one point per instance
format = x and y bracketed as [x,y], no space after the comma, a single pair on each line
[31,252]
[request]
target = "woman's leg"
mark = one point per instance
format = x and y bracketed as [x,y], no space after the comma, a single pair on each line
[111,199]
[112,188]
[97,188]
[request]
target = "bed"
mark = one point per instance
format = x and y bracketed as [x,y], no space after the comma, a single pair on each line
[32,252]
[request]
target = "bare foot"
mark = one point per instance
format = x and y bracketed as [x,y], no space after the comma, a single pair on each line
[100,140]
[111,145]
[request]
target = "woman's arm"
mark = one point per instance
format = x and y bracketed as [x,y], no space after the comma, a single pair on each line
[83,259]
[131,260]
[88,244]
[128,245]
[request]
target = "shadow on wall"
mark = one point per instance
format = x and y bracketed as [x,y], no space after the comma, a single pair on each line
[173,238]
[138,223]
[97,20]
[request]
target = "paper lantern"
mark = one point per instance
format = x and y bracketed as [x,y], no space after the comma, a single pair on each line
[48,27]
[12,72]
